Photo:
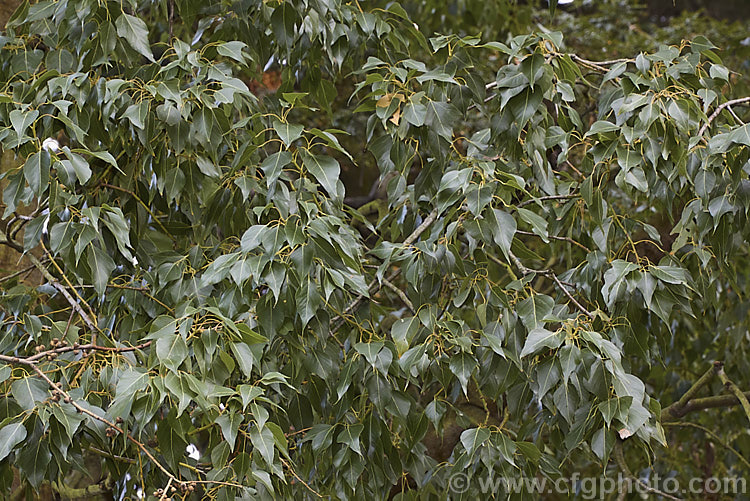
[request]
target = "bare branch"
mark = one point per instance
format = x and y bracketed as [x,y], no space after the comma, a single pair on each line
[718,110]
[404,298]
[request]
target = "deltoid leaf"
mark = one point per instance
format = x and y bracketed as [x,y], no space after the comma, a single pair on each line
[273,165]
[504,229]
[282,23]
[115,221]
[229,423]
[602,443]
[129,382]
[33,460]
[79,165]
[69,417]
[541,338]
[36,172]
[326,171]
[171,350]
[263,441]
[10,436]
[171,444]
[403,331]
[287,132]
[349,436]
[134,30]
[308,300]
[21,120]
[614,277]
[472,438]
[321,436]
[601,127]
[442,116]
[463,365]
[101,267]
[232,49]
[670,274]
[534,309]
[28,391]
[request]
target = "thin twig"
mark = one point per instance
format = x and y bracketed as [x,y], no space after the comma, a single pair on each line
[570,296]
[548,197]
[400,294]
[549,274]
[294,474]
[555,237]
[165,492]
[714,436]
[374,286]
[597,65]
[13,275]
[620,460]
[72,302]
[718,110]
[735,115]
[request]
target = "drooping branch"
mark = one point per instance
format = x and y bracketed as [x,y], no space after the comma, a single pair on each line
[57,390]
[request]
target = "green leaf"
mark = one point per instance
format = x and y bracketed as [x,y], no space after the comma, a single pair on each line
[326,171]
[10,436]
[349,435]
[21,120]
[263,441]
[403,331]
[282,23]
[28,391]
[36,171]
[463,365]
[321,436]
[171,350]
[130,382]
[245,357]
[504,229]
[541,338]
[534,310]
[229,423]
[441,117]
[670,274]
[473,438]
[601,127]
[287,132]
[537,222]
[232,49]
[207,167]
[101,267]
[135,31]
[79,164]
[273,165]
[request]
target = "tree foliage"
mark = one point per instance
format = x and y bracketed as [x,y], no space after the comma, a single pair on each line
[559,249]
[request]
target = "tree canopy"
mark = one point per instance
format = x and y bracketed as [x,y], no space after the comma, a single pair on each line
[311,249]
